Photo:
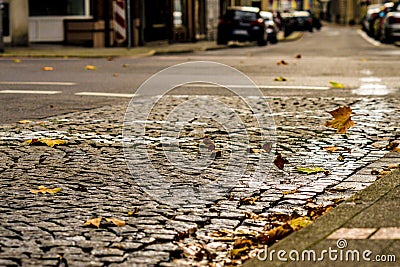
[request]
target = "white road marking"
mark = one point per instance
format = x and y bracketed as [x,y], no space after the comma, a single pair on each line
[289,87]
[29,92]
[39,83]
[367,38]
[104,94]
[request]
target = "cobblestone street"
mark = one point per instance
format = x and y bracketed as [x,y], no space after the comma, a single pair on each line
[96,182]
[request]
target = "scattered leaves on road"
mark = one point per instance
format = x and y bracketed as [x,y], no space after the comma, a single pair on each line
[116,222]
[280,161]
[336,85]
[42,189]
[341,119]
[95,222]
[46,141]
[311,170]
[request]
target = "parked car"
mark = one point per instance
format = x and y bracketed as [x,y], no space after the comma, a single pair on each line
[242,24]
[390,29]
[378,21]
[368,20]
[304,21]
[271,27]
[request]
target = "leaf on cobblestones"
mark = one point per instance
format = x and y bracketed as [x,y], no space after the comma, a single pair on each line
[341,119]
[280,79]
[335,149]
[312,170]
[44,190]
[336,85]
[276,234]
[268,147]
[314,211]
[340,158]
[47,68]
[394,146]
[117,222]
[134,211]
[280,161]
[95,222]
[24,121]
[90,67]
[247,200]
[300,222]
[46,141]
[221,233]
[290,192]
[241,247]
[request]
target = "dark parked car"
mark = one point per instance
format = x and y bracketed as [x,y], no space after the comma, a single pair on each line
[368,21]
[304,21]
[242,24]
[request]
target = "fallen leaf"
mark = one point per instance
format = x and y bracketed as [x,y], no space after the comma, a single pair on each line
[231,197]
[341,119]
[247,200]
[334,149]
[298,56]
[340,158]
[336,85]
[256,150]
[95,222]
[115,74]
[299,223]
[134,211]
[16,60]
[282,62]
[125,65]
[312,170]
[280,161]
[280,79]
[46,141]
[44,190]
[117,222]
[290,192]
[278,233]
[47,68]
[267,147]
[24,121]
[90,67]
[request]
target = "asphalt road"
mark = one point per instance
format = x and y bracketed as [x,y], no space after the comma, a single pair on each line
[334,54]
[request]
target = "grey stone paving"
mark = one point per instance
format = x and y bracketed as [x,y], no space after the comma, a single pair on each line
[96,182]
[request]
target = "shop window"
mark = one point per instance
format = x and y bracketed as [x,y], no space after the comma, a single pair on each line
[79,8]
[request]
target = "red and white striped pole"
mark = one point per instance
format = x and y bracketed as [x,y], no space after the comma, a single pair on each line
[119,21]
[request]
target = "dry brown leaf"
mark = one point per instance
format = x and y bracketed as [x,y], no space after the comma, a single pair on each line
[95,222]
[44,190]
[247,200]
[280,161]
[334,149]
[341,119]
[117,222]
[298,56]
[278,233]
[282,62]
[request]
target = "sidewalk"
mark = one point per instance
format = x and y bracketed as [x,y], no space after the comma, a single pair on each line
[156,48]
[369,220]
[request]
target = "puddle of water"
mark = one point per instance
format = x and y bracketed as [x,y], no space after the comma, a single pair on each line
[373,89]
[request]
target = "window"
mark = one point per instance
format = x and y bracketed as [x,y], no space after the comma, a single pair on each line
[59,8]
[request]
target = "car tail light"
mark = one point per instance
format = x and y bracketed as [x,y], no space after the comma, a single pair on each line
[258,22]
[393,20]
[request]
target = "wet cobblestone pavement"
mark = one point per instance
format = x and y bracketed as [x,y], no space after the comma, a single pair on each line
[96,182]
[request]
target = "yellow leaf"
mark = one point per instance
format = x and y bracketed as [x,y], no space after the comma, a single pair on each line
[341,119]
[248,200]
[90,67]
[24,121]
[117,222]
[47,68]
[16,60]
[289,192]
[311,170]
[336,85]
[300,222]
[280,79]
[44,190]
[333,149]
[46,141]
[95,222]
[396,149]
